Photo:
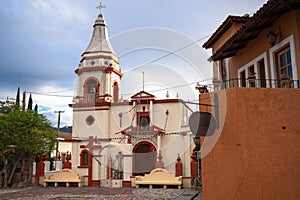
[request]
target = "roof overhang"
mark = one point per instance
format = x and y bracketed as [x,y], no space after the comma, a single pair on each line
[261,20]
[230,20]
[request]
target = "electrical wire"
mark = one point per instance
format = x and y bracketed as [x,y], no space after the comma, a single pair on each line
[67,90]
[47,94]
[177,86]
[147,63]
[168,54]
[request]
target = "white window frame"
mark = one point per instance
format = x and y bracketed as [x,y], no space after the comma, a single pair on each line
[272,52]
[254,63]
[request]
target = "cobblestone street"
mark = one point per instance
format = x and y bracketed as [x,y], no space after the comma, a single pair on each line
[94,193]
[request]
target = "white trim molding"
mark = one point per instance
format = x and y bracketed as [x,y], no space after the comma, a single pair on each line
[272,51]
[254,63]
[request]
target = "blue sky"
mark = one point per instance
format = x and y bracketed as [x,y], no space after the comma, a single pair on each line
[42,41]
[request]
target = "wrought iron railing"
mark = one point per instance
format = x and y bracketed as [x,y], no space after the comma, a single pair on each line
[258,83]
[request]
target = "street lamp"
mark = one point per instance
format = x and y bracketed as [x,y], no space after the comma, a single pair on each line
[201,88]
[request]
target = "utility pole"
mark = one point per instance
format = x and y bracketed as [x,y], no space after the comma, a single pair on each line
[58,127]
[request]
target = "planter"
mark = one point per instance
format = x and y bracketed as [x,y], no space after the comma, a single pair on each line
[251,79]
[285,82]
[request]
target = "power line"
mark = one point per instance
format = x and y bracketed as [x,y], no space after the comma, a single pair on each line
[46,94]
[168,54]
[147,63]
[67,90]
[177,86]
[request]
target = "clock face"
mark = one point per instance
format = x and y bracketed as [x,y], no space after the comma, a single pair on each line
[89,120]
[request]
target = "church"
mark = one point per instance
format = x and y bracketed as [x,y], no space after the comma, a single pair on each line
[115,140]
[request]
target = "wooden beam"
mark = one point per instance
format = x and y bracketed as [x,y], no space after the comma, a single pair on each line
[273,15]
[287,4]
[245,40]
[259,28]
[234,48]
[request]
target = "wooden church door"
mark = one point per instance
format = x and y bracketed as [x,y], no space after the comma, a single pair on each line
[144,158]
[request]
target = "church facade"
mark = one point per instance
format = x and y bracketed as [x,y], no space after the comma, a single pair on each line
[114,139]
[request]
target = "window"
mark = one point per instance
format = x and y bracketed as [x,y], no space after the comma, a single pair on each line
[285,63]
[143,121]
[243,79]
[223,71]
[262,73]
[282,60]
[251,76]
[89,120]
[84,158]
[116,92]
[254,73]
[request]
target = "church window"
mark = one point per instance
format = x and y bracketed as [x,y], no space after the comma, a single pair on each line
[84,158]
[90,120]
[116,92]
[144,122]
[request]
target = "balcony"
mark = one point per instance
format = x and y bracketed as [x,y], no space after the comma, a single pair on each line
[90,98]
[257,83]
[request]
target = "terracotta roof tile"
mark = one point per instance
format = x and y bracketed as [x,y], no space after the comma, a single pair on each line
[224,27]
[263,18]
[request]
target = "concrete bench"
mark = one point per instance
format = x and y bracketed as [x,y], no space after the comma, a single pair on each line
[158,177]
[65,176]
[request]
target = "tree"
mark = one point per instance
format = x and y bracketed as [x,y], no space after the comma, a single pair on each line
[36,108]
[23,135]
[18,99]
[30,103]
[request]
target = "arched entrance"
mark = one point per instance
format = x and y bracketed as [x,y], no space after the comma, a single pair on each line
[144,158]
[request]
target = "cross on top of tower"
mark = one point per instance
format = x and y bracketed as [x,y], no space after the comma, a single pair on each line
[100,7]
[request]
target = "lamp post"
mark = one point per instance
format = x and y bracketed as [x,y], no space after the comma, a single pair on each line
[196,151]
[201,88]
[272,38]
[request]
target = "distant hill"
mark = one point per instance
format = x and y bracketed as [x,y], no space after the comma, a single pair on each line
[65,132]
[66,129]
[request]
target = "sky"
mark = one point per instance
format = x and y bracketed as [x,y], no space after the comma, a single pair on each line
[42,42]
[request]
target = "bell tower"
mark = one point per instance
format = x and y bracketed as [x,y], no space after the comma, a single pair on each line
[98,74]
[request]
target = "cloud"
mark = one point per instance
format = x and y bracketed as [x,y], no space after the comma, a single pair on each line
[42,41]
[53,98]
[39,41]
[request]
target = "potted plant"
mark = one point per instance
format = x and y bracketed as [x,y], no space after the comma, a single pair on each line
[284,80]
[284,77]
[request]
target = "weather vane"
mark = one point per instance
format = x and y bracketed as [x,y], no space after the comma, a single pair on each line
[100,7]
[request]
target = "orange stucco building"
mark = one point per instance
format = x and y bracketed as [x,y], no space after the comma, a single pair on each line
[254,151]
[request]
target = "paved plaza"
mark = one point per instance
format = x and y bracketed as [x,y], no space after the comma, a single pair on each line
[96,193]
